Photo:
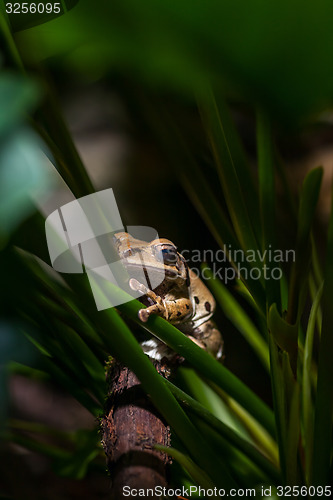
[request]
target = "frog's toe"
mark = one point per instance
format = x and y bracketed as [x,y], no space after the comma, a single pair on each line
[134,285]
[143,315]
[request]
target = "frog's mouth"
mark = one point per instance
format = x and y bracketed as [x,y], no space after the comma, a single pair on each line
[150,270]
[151,276]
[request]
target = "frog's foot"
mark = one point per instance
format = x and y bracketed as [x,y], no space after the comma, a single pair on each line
[157,308]
[136,286]
[208,337]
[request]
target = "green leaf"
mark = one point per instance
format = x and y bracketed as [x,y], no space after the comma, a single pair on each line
[226,431]
[285,335]
[178,48]
[87,367]
[63,346]
[45,12]
[204,363]
[122,344]
[81,447]
[86,448]
[125,345]
[324,399]
[299,274]
[202,195]
[194,471]
[286,398]
[74,452]
[239,318]
[22,165]
[28,371]
[48,370]
[210,398]
[18,94]
[280,411]
[232,174]
[59,141]
[71,386]
[293,425]
[22,173]
[267,196]
[307,396]
[261,437]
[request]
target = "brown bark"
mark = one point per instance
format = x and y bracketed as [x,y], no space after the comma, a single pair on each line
[130,428]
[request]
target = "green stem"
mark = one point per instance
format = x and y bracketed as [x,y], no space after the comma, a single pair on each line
[232,437]
[308,415]
[10,49]
[267,200]
[239,318]
[203,362]
[69,163]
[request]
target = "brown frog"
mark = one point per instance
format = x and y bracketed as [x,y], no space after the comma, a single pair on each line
[180,297]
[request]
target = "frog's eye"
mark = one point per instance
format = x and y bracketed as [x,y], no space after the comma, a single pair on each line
[170,256]
[127,253]
[130,251]
[165,252]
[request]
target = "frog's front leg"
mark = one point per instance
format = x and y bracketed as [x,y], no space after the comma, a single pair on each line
[157,308]
[173,311]
[208,337]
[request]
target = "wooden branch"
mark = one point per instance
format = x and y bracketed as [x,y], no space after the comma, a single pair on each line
[130,428]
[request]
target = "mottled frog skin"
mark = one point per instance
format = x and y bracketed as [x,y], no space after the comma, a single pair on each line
[181,298]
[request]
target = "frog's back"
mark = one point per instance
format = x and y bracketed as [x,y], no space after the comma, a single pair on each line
[203,301]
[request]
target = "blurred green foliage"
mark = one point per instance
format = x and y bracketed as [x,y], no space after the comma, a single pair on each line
[23,15]
[22,169]
[22,173]
[275,58]
[276,54]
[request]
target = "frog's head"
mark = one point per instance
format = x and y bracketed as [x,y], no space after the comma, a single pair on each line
[158,256]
